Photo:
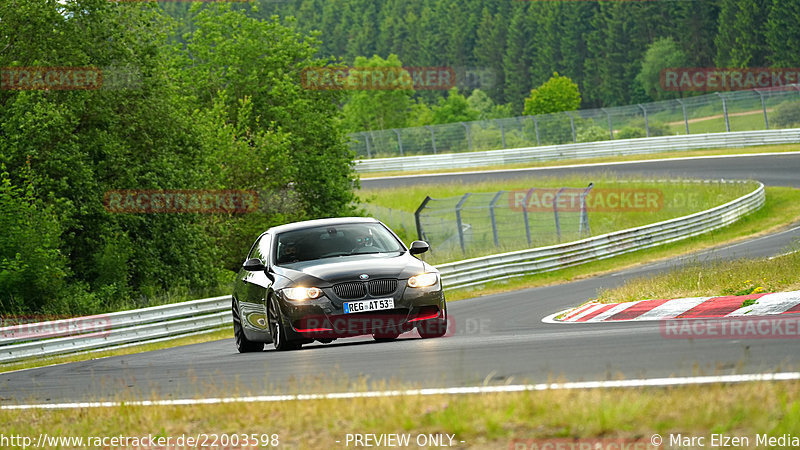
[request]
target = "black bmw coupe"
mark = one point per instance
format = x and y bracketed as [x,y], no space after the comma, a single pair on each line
[333,278]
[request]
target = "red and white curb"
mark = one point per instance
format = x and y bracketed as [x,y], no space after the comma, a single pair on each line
[681,308]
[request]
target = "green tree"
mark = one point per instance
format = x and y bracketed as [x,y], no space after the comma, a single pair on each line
[379,109]
[740,39]
[454,108]
[558,94]
[663,53]
[783,33]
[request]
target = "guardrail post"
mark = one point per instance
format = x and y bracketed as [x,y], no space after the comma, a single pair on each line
[458,222]
[725,112]
[572,124]
[417,214]
[555,213]
[525,215]
[469,137]
[584,226]
[399,140]
[685,116]
[764,108]
[610,126]
[366,141]
[492,204]
[502,131]
[646,123]
[433,138]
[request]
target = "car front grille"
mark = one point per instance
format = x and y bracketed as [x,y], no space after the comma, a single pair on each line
[358,289]
[382,287]
[350,290]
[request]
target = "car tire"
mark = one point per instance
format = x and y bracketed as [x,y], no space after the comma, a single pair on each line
[242,343]
[433,328]
[276,328]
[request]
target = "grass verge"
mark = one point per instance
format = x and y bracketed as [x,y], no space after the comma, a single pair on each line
[677,199]
[222,333]
[782,207]
[605,159]
[738,277]
[480,421]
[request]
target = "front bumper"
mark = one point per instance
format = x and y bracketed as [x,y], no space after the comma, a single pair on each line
[324,317]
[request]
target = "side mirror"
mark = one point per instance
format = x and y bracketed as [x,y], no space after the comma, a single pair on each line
[253,265]
[418,247]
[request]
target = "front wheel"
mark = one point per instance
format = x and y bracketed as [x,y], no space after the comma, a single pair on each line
[277,330]
[242,343]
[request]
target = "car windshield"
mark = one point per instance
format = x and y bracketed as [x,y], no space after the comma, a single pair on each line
[335,241]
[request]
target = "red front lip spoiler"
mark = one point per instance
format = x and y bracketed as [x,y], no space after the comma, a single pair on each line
[425,317]
[363,323]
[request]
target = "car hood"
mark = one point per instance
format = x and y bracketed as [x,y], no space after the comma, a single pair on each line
[329,271]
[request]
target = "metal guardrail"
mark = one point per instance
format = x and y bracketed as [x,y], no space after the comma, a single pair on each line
[110,330]
[526,262]
[622,147]
[174,320]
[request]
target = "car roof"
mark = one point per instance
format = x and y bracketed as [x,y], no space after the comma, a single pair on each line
[320,223]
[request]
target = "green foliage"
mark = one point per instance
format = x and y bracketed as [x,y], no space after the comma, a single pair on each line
[630,133]
[556,95]
[367,110]
[662,54]
[219,109]
[786,115]
[593,134]
[454,108]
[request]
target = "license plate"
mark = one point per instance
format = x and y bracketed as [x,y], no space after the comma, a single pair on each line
[368,305]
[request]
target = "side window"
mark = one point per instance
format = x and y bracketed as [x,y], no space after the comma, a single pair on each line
[255,249]
[263,248]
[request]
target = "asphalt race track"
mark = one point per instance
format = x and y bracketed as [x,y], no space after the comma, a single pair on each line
[495,339]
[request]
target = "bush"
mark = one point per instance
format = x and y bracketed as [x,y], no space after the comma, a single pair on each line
[630,133]
[787,115]
[593,134]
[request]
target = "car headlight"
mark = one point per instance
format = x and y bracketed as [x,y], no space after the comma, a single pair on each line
[302,293]
[423,280]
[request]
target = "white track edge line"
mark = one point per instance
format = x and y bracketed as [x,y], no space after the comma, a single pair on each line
[642,382]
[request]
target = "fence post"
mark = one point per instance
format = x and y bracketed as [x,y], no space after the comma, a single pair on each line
[420,232]
[555,213]
[572,124]
[366,141]
[536,127]
[646,123]
[525,215]
[685,116]
[502,131]
[399,140]
[584,226]
[433,138]
[469,137]
[492,204]
[725,112]
[458,222]
[764,108]
[610,126]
